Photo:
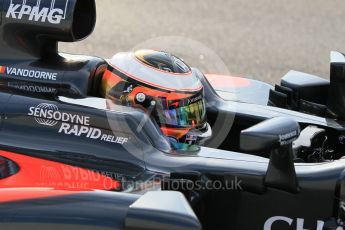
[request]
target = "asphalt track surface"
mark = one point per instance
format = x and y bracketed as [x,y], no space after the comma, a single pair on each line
[259,39]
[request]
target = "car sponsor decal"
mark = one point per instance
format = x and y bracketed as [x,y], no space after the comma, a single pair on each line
[288,138]
[49,114]
[38,11]
[71,124]
[90,132]
[40,173]
[28,73]
[31,87]
[295,224]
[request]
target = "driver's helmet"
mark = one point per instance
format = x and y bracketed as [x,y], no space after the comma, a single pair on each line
[164,87]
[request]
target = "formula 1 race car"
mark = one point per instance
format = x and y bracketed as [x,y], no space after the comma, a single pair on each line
[275,160]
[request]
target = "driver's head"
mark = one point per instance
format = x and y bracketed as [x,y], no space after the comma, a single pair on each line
[163,86]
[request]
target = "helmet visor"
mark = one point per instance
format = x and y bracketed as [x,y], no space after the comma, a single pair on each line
[192,115]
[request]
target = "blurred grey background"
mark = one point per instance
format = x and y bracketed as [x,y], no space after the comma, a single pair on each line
[261,39]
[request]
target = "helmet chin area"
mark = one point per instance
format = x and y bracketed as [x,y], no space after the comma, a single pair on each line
[190,136]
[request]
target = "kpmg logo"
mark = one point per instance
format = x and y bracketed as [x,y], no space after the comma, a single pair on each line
[52,11]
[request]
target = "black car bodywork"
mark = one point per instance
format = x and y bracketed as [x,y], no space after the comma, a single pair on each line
[255,179]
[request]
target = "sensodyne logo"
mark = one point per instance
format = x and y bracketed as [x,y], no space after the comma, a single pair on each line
[71,124]
[38,11]
[45,108]
[49,115]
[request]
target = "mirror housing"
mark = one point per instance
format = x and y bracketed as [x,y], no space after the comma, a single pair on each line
[31,29]
[336,97]
[277,136]
[270,134]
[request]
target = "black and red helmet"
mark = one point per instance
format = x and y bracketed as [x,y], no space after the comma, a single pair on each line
[162,85]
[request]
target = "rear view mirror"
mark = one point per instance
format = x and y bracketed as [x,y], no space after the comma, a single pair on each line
[275,135]
[336,97]
[270,134]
